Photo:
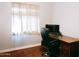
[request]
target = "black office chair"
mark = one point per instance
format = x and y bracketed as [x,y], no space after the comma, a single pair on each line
[50,47]
[44,42]
[45,36]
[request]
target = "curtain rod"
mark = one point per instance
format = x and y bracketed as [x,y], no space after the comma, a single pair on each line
[24,3]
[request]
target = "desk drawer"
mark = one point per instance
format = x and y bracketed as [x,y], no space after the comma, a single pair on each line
[69,50]
[64,50]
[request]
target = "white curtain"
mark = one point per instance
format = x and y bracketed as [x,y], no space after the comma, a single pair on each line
[25,18]
[25,21]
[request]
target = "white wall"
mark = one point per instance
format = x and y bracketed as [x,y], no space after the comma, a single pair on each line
[45,14]
[5,19]
[5,26]
[66,14]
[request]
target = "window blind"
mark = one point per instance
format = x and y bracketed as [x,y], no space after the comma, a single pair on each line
[25,18]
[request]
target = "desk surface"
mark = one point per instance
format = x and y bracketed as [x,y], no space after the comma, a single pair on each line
[69,39]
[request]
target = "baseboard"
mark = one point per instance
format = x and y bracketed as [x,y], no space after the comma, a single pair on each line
[17,48]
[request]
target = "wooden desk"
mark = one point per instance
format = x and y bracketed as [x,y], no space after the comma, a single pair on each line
[69,39]
[69,47]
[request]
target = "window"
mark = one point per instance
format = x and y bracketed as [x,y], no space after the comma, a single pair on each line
[25,18]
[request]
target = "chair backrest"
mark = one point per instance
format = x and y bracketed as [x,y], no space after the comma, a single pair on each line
[53,28]
[45,34]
